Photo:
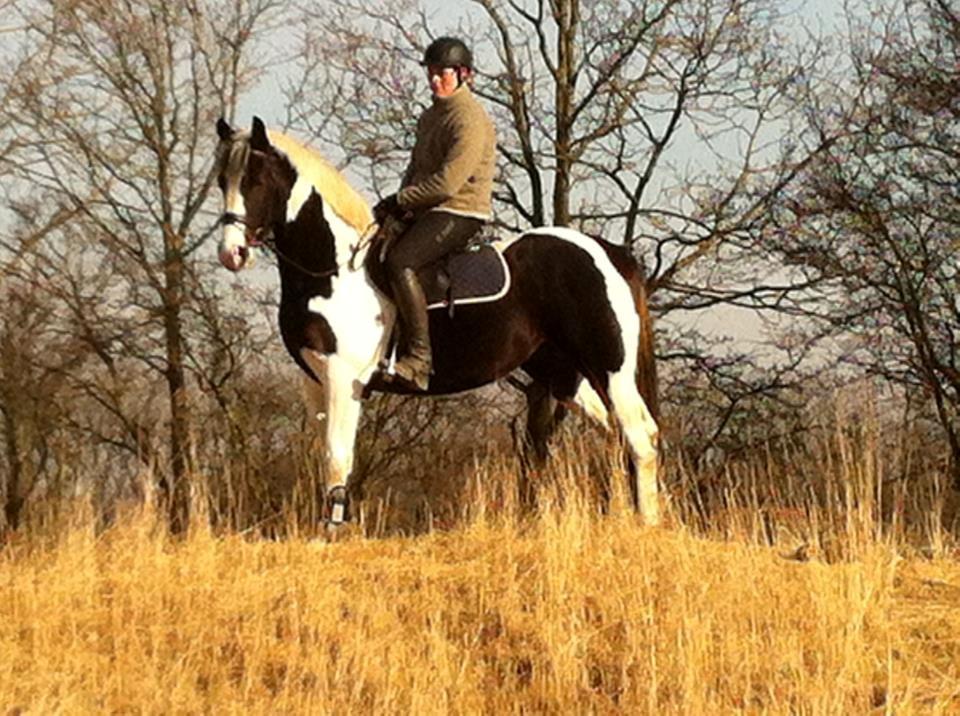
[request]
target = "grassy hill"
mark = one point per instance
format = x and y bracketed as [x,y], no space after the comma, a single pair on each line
[568,611]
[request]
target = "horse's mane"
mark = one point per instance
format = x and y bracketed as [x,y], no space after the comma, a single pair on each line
[342,198]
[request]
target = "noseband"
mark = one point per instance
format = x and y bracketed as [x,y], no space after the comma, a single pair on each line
[262,237]
[230,218]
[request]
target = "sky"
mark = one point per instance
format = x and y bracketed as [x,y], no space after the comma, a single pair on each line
[266,99]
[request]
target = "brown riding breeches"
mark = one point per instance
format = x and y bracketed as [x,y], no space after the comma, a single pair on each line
[431,237]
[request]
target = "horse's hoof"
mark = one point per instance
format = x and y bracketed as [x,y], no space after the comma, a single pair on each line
[337,505]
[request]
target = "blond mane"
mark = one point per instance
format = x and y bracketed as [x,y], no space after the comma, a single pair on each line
[337,193]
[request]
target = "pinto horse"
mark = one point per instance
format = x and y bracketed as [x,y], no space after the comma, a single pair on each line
[574,318]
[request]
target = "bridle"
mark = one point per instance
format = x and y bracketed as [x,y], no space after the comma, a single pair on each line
[231,218]
[264,237]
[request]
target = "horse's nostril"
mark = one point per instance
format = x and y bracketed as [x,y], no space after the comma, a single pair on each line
[234,258]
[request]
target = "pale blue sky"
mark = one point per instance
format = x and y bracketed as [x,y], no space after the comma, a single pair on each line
[266,99]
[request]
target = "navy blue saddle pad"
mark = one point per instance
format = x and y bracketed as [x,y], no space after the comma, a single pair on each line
[477,274]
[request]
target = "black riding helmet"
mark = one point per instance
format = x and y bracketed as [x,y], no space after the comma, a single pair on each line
[448,52]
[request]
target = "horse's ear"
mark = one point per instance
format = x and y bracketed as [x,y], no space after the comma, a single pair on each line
[224,130]
[258,136]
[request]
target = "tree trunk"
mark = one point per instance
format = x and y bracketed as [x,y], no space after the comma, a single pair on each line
[13,499]
[567,13]
[177,493]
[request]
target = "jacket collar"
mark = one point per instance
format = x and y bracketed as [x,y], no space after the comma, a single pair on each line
[460,95]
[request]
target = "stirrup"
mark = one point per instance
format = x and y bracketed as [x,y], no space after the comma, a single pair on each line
[414,371]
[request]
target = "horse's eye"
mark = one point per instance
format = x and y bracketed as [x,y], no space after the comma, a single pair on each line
[255,164]
[250,180]
[251,172]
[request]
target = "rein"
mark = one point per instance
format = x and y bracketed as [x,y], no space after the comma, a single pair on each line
[262,238]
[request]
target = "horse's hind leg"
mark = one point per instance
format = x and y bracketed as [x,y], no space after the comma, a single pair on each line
[613,399]
[543,416]
[594,407]
[616,396]
[640,432]
[555,379]
[541,420]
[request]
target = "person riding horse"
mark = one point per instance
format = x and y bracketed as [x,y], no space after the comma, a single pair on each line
[446,191]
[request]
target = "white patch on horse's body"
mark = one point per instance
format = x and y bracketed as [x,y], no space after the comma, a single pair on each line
[618,291]
[301,191]
[358,314]
[630,409]
[314,172]
[354,313]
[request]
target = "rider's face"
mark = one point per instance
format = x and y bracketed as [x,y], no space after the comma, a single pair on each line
[443,80]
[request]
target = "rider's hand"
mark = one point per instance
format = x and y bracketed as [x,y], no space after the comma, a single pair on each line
[387,206]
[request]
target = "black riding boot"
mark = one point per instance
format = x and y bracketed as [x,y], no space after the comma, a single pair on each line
[414,366]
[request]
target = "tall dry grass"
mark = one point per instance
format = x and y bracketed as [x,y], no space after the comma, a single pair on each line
[789,584]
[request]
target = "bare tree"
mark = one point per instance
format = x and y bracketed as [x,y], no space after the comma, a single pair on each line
[31,401]
[107,115]
[658,124]
[876,223]
[672,127]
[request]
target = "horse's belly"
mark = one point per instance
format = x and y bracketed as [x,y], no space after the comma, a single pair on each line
[478,345]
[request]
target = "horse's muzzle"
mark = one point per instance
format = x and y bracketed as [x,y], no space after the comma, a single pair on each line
[235,257]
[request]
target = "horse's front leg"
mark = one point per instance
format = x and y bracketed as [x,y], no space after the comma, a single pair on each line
[342,418]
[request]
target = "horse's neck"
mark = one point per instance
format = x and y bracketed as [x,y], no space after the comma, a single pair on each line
[347,239]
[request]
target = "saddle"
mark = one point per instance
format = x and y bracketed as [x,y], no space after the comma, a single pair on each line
[476,274]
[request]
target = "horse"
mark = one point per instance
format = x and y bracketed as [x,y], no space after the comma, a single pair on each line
[574,318]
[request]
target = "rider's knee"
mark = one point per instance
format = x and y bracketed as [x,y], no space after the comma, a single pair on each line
[398,261]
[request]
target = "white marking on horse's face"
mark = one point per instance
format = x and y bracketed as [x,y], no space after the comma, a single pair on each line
[233,250]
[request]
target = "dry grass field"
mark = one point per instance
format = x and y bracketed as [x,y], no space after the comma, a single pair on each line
[806,611]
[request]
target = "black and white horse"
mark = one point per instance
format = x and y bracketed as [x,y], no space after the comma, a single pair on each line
[574,319]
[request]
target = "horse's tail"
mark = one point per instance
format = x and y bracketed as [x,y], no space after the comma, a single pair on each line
[646,376]
[646,363]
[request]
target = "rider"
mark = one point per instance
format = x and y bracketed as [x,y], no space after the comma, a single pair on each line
[446,189]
